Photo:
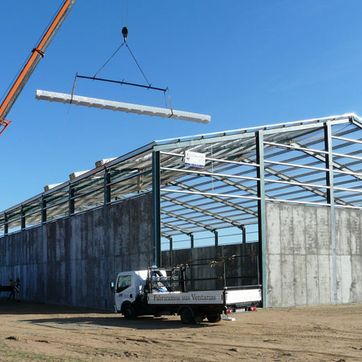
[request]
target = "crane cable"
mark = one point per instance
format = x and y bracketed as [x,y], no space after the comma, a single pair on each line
[125,43]
[124,31]
[137,63]
[108,60]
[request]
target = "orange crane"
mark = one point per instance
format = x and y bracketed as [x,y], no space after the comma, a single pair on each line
[36,55]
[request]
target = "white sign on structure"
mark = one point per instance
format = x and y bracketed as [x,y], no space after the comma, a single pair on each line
[195,159]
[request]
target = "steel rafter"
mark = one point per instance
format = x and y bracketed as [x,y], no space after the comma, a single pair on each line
[176,228]
[188,220]
[201,211]
[335,164]
[214,198]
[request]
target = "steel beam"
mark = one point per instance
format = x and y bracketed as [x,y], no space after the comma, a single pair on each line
[188,220]
[175,228]
[335,164]
[353,119]
[200,210]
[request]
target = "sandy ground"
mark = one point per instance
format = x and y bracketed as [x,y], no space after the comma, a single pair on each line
[31,332]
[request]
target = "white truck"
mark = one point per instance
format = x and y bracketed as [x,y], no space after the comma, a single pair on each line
[152,292]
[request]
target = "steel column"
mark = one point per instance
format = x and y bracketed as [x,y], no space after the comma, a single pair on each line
[262,214]
[243,234]
[171,251]
[107,187]
[328,141]
[6,224]
[171,243]
[71,202]
[43,210]
[23,220]
[216,238]
[192,241]
[156,207]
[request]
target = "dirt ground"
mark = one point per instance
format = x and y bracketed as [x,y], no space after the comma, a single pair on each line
[30,332]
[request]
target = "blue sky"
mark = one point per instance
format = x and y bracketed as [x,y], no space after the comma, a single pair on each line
[244,62]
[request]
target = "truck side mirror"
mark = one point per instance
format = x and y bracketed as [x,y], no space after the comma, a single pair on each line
[112,286]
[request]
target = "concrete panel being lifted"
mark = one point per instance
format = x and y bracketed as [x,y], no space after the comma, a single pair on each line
[121,106]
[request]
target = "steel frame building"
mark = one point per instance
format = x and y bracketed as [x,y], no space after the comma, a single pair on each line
[313,162]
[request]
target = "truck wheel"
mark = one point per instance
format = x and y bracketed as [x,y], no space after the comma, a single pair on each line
[128,311]
[187,316]
[214,318]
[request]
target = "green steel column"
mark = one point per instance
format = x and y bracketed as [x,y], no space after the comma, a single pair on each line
[107,187]
[156,207]
[43,210]
[171,243]
[328,142]
[170,260]
[243,234]
[6,224]
[262,214]
[23,220]
[71,201]
[216,238]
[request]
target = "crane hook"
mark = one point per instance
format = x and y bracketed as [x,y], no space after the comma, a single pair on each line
[125,33]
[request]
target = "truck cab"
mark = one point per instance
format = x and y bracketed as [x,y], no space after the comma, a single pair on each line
[132,286]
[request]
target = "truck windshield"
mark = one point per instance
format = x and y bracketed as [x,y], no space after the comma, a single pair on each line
[123,282]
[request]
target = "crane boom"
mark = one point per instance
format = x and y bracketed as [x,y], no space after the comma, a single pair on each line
[36,55]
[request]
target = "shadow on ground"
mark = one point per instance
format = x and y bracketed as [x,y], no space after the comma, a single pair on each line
[114,321]
[13,307]
[63,317]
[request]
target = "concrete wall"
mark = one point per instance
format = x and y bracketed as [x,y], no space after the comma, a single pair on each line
[71,261]
[241,270]
[301,266]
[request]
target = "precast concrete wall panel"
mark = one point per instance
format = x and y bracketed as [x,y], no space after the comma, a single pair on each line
[300,259]
[72,260]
